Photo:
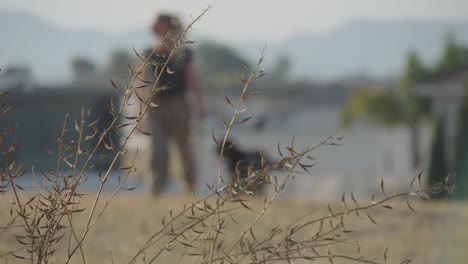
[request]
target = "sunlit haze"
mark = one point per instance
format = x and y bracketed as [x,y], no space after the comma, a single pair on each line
[240,20]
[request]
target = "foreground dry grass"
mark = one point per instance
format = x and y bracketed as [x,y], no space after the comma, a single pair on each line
[436,234]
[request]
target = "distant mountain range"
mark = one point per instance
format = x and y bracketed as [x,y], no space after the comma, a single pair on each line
[372,48]
[364,48]
[49,49]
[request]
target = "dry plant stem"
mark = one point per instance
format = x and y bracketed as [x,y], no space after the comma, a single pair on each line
[341,214]
[57,170]
[274,249]
[292,258]
[76,179]
[86,164]
[226,134]
[56,216]
[8,226]
[275,194]
[338,227]
[12,252]
[181,232]
[158,235]
[204,227]
[128,92]
[60,148]
[217,222]
[41,243]
[114,193]
[236,114]
[21,210]
[304,245]
[78,152]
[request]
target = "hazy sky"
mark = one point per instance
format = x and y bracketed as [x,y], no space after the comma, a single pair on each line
[237,20]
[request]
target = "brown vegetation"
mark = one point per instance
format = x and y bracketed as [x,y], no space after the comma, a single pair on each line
[229,225]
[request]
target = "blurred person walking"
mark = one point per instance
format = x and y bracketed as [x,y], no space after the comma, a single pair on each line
[173,120]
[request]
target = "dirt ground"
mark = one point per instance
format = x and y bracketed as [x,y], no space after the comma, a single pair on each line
[435,234]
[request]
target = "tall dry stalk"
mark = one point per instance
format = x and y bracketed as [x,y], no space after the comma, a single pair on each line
[43,218]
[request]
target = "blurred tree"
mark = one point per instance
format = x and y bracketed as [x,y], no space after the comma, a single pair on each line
[453,55]
[414,107]
[117,69]
[281,68]
[377,103]
[218,58]
[393,107]
[461,156]
[401,106]
[83,70]
[118,64]
[218,66]
[438,166]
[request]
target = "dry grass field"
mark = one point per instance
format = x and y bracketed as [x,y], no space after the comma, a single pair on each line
[435,234]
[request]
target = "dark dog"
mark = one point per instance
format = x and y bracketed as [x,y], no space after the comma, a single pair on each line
[247,168]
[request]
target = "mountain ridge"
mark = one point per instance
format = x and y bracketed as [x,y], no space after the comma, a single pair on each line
[361,47]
